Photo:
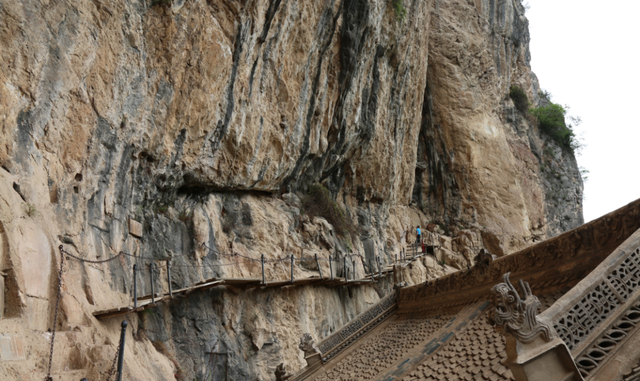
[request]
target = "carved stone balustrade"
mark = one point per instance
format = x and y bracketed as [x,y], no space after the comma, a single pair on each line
[360,325]
[347,335]
[600,315]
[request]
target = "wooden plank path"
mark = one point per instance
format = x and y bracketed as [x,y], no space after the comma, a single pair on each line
[145,301]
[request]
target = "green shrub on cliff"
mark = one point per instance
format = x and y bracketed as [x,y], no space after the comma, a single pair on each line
[318,203]
[398,7]
[551,120]
[519,98]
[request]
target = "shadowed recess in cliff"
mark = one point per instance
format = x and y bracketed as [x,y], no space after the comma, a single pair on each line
[442,193]
[337,172]
[368,126]
[353,36]
[326,31]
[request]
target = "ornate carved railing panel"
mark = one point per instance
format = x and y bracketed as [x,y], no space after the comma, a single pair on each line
[596,317]
[626,277]
[598,304]
[585,316]
[352,331]
[609,341]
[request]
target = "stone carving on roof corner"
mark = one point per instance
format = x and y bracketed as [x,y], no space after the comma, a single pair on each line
[306,345]
[483,260]
[281,373]
[513,315]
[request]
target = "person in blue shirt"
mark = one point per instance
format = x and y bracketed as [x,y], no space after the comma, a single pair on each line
[418,233]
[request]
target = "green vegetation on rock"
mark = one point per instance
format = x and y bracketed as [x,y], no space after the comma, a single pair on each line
[398,7]
[30,209]
[551,120]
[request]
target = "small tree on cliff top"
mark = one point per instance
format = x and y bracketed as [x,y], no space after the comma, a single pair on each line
[551,120]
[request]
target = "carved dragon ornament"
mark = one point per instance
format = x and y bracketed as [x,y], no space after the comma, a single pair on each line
[515,316]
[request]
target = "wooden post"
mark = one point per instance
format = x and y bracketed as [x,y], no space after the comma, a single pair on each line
[319,269]
[123,336]
[262,261]
[135,286]
[153,294]
[292,268]
[169,278]
[379,267]
[331,267]
[353,276]
[2,275]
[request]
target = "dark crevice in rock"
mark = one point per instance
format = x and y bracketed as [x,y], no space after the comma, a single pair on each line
[178,145]
[223,125]
[251,76]
[192,187]
[123,190]
[24,138]
[328,24]
[16,188]
[352,41]
[271,11]
[330,166]
[368,126]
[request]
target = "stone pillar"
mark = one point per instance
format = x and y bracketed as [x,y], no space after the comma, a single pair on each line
[534,350]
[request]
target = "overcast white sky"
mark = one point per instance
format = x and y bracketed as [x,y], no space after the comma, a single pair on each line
[587,55]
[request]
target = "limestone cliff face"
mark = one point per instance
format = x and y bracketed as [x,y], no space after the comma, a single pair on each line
[479,159]
[204,119]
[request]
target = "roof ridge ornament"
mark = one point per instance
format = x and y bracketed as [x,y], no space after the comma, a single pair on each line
[516,316]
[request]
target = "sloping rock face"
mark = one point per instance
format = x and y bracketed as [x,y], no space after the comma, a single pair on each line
[207,121]
[479,158]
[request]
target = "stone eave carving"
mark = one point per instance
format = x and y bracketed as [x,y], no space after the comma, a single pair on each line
[588,244]
[483,260]
[517,316]
[306,345]
[281,373]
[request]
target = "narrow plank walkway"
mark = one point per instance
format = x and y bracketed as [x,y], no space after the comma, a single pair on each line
[145,301]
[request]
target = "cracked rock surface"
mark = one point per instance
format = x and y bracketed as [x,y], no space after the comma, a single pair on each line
[207,121]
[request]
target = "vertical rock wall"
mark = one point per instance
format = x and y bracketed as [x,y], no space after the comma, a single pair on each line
[207,121]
